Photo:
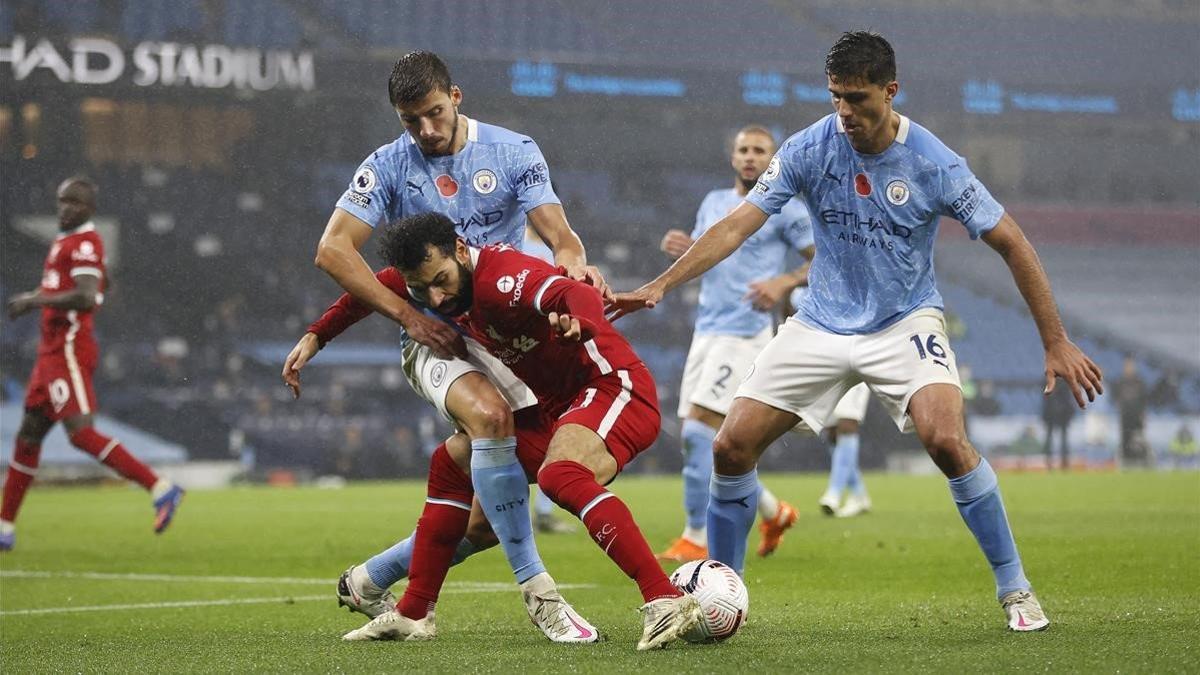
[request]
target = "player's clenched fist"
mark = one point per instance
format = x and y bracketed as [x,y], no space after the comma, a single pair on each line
[675,243]
[566,325]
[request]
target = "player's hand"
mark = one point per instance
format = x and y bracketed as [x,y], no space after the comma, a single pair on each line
[21,303]
[566,326]
[304,350]
[675,243]
[768,293]
[622,304]
[591,275]
[1065,360]
[445,342]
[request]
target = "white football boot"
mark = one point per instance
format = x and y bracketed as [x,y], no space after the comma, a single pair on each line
[854,506]
[1024,612]
[828,503]
[356,591]
[556,618]
[666,619]
[393,625]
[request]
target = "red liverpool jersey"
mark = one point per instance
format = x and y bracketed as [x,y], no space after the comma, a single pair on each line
[513,293]
[74,253]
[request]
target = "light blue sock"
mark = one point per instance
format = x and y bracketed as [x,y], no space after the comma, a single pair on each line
[390,566]
[697,471]
[977,495]
[847,449]
[837,470]
[541,503]
[503,492]
[732,508]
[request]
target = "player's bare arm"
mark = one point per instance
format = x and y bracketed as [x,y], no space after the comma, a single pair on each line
[338,256]
[550,222]
[717,243]
[81,298]
[1063,358]
[770,293]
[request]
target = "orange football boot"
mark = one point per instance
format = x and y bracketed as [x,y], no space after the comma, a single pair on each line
[684,550]
[772,530]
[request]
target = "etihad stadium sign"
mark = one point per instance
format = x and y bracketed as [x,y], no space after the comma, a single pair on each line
[97,61]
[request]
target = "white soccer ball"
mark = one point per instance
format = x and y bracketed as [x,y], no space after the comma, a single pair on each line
[724,600]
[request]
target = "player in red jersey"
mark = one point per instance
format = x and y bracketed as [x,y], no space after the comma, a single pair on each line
[60,387]
[598,406]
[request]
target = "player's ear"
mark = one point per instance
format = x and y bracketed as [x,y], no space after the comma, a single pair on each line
[891,89]
[461,252]
[455,95]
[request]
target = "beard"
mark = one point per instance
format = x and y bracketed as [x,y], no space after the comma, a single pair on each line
[465,296]
[748,183]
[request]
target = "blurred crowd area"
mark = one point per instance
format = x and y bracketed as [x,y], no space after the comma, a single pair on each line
[219,195]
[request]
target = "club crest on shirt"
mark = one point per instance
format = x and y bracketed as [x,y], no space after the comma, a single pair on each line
[484,181]
[862,185]
[772,170]
[364,181]
[446,185]
[897,192]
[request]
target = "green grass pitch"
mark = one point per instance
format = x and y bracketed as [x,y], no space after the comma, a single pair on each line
[1115,560]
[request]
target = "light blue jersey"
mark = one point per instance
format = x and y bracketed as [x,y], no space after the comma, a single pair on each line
[486,188]
[875,218]
[723,308]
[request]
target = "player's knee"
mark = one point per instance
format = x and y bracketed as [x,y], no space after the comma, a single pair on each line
[488,418]
[949,449]
[731,457]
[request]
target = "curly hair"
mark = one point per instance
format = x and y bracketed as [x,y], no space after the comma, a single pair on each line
[405,243]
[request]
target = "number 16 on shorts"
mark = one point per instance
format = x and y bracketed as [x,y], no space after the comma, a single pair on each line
[928,347]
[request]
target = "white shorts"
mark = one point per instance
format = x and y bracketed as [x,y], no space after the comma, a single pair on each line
[430,377]
[716,365]
[806,371]
[853,405]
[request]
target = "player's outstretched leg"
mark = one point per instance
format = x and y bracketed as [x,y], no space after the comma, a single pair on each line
[165,495]
[936,410]
[667,612]
[775,518]
[697,472]
[441,527]
[21,471]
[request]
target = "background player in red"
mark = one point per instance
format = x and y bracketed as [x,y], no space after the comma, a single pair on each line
[598,402]
[60,387]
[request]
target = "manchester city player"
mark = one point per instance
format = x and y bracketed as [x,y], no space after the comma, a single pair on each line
[490,182]
[876,183]
[733,324]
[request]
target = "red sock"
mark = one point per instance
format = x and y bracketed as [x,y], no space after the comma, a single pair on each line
[21,471]
[112,454]
[442,525]
[572,486]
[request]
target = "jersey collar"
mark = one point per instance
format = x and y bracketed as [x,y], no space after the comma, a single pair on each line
[89,226]
[474,253]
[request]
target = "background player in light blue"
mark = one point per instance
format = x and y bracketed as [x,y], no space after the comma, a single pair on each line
[877,184]
[490,181]
[733,323]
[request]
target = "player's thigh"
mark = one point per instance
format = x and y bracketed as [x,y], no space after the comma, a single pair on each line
[619,412]
[432,378]
[936,412]
[34,426]
[693,368]
[477,407]
[60,388]
[723,368]
[904,358]
[803,371]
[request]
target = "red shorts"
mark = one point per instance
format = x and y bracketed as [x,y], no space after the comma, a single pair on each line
[60,387]
[621,407]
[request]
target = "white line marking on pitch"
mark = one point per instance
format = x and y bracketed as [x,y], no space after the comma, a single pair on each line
[112,576]
[166,605]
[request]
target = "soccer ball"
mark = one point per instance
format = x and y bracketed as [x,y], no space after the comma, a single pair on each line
[724,600]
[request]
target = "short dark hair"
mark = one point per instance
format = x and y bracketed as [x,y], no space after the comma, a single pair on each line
[861,54]
[415,76]
[405,243]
